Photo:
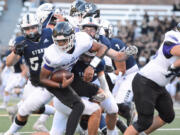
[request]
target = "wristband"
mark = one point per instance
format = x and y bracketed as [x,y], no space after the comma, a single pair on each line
[95,62]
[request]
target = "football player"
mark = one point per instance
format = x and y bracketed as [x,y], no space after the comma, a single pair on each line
[149,87]
[18,78]
[31,46]
[63,54]
[126,70]
[91,26]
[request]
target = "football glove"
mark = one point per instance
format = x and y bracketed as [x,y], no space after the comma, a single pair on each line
[19,48]
[173,71]
[131,50]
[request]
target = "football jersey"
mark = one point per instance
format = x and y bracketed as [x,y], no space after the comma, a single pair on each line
[55,58]
[34,51]
[157,68]
[80,66]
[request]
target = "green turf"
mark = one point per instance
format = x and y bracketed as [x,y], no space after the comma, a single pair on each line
[5,124]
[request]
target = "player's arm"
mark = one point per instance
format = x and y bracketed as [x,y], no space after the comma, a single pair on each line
[12,59]
[103,82]
[16,53]
[24,70]
[102,50]
[44,78]
[175,50]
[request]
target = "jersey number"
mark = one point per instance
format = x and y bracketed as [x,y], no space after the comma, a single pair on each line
[34,63]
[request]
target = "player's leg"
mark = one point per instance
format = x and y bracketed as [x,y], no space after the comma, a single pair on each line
[144,98]
[70,98]
[111,109]
[33,103]
[164,106]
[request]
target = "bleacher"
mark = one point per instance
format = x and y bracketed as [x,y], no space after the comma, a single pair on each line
[119,12]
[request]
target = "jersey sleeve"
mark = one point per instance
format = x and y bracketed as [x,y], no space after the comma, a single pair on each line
[48,59]
[84,40]
[170,41]
[117,44]
[105,41]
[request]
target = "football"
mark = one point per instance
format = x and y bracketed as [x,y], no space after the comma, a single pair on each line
[58,75]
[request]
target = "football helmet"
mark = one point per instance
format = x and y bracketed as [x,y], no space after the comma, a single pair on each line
[87,57]
[57,16]
[43,11]
[74,7]
[30,21]
[63,31]
[89,10]
[108,28]
[89,21]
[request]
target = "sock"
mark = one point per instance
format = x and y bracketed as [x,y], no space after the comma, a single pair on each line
[50,110]
[110,132]
[43,118]
[15,126]
[102,122]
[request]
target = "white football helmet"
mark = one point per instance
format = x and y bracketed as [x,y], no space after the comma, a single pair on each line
[30,20]
[44,11]
[89,21]
[108,28]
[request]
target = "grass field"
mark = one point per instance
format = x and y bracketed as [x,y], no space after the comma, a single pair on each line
[169,129]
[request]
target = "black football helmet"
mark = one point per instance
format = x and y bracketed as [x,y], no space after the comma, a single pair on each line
[75,5]
[89,10]
[64,31]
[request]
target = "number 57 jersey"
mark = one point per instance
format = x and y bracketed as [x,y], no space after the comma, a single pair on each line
[34,51]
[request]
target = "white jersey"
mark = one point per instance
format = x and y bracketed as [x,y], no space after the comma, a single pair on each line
[58,59]
[157,68]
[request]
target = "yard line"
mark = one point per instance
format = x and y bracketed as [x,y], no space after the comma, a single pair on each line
[20,133]
[6,115]
[172,129]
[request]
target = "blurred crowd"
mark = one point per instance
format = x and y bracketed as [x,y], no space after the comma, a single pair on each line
[148,36]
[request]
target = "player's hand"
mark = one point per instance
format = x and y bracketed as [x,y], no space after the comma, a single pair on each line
[67,82]
[88,74]
[19,48]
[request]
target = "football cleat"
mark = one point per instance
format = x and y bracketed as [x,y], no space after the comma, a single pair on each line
[40,126]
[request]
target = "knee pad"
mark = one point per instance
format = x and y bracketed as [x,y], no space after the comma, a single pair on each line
[143,123]
[168,118]
[20,122]
[110,105]
[124,109]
